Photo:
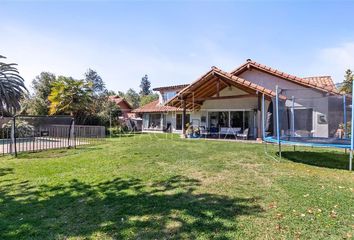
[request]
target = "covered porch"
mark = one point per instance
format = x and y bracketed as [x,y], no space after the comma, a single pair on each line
[223,106]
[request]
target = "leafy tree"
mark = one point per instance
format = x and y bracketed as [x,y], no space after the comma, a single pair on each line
[110,110]
[42,84]
[132,97]
[98,86]
[70,96]
[12,88]
[148,99]
[111,93]
[38,103]
[348,81]
[121,94]
[145,86]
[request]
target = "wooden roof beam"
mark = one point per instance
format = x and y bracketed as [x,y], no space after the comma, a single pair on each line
[227,97]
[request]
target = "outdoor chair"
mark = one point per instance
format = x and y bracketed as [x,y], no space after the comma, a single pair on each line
[243,135]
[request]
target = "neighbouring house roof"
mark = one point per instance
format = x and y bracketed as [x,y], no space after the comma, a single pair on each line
[207,85]
[322,80]
[121,102]
[173,87]
[155,107]
[323,83]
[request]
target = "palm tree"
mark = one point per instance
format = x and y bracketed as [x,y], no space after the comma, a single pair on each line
[12,88]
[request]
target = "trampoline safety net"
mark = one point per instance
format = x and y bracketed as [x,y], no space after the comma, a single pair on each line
[307,117]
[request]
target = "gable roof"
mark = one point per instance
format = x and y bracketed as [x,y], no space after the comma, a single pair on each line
[320,83]
[155,106]
[120,101]
[210,83]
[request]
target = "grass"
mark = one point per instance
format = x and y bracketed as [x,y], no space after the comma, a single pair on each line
[163,187]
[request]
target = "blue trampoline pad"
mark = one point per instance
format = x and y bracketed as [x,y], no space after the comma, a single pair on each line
[312,141]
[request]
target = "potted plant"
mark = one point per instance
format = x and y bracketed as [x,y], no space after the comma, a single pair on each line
[189,131]
[196,132]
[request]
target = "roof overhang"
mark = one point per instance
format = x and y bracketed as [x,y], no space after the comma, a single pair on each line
[305,82]
[210,84]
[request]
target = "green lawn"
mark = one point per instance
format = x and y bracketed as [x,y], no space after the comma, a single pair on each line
[162,187]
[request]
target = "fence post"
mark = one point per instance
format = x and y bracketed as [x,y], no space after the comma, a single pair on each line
[70,132]
[13,135]
[277,118]
[352,133]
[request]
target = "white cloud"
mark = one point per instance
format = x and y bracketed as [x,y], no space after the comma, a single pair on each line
[334,61]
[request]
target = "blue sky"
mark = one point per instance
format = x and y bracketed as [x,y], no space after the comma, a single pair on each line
[176,42]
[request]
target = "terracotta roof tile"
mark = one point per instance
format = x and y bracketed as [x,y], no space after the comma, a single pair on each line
[119,100]
[322,80]
[323,83]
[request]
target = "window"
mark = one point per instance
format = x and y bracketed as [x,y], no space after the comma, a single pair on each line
[223,119]
[179,120]
[219,119]
[241,119]
[168,95]
[154,121]
[236,119]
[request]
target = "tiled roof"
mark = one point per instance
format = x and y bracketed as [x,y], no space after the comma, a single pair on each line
[119,100]
[246,83]
[204,87]
[322,80]
[308,82]
[155,106]
[173,87]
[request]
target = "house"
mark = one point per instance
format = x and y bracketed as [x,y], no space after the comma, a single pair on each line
[228,102]
[124,106]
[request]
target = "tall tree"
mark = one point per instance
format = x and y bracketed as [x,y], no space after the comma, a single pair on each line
[132,97]
[12,88]
[348,81]
[42,84]
[145,86]
[98,86]
[70,96]
[38,103]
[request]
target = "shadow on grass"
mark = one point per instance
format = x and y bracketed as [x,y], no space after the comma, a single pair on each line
[325,159]
[59,152]
[121,208]
[6,171]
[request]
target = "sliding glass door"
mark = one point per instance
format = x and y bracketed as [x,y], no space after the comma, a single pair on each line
[179,120]
[218,119]
[241,119]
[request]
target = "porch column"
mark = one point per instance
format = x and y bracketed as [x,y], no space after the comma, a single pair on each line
[184,117]
[259,117]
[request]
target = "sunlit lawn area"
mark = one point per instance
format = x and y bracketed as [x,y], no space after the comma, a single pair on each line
[163,187]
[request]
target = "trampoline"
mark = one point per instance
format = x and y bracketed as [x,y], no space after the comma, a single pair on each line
[308,117]
[312,142]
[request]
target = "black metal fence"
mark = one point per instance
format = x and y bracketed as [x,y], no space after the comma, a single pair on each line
[35,133]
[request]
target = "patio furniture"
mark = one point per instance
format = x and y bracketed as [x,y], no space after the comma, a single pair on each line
[203,130]
[229,131]
[243,135]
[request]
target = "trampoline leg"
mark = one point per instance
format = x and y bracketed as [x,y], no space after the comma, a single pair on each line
[351,160]
[294,148]
[280,150]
